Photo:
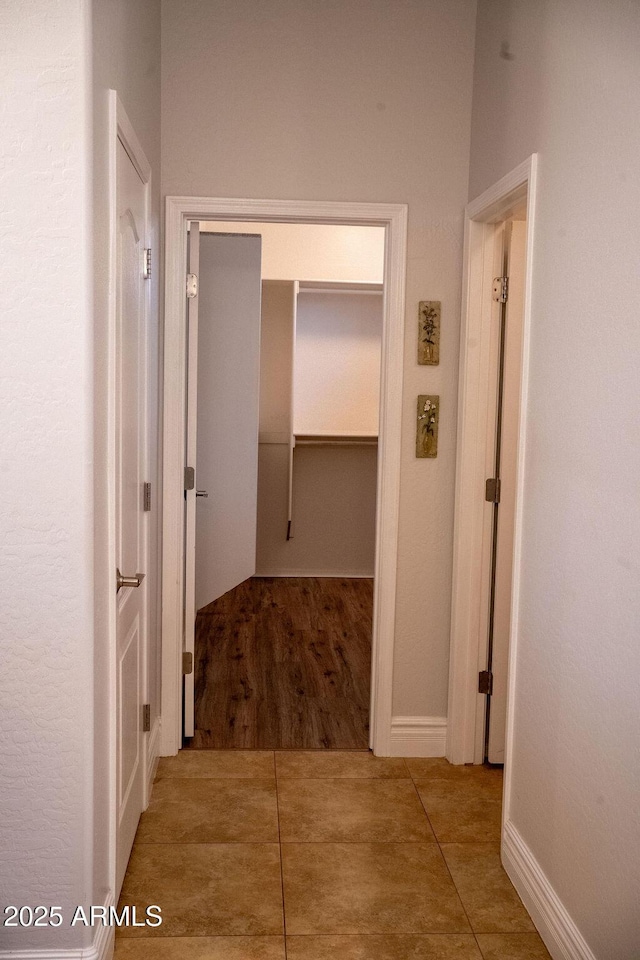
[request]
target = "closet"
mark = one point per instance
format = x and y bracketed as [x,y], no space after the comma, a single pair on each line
[289,333]
[319,400]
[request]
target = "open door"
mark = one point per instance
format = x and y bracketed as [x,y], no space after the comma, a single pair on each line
[510,374]
[131,525]
[222,423]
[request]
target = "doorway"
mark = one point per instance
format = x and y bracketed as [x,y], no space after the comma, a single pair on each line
[393,220]
[488,511]
[287,364]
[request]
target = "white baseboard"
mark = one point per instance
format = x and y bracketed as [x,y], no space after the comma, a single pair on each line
[418,736]
[358,575]
[100,949]
[553,922]
[153,754]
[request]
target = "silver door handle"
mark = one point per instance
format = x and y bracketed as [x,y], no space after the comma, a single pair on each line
[129,581]
[201,493]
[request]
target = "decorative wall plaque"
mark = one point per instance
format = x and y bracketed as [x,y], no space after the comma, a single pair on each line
[429,332]
[427,426]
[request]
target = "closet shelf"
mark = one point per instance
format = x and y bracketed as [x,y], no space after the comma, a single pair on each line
[335,439]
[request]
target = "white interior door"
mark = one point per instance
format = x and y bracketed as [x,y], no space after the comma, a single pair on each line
[193,267]
[512,374]
[222,422]
[130,411]
[228,407]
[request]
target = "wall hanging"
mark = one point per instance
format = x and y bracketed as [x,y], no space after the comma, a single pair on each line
[429,332]
[427,426]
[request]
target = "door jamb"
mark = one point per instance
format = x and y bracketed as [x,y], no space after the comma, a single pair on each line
[393,217]
[464,742]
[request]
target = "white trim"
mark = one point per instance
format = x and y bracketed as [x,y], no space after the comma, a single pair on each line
[153,756]
[464,734]
[322,574]
[130,142]
[418,736]
[394,218]
[552,919]
[100,949]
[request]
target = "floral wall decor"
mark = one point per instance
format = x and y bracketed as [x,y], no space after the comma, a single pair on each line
[429,332]
[427,426]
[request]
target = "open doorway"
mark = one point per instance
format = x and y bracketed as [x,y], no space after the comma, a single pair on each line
[282,433]
[310,440]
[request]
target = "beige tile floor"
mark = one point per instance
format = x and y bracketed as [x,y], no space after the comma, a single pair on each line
[323,855]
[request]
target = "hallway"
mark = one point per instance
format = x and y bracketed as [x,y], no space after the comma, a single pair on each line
[256,855]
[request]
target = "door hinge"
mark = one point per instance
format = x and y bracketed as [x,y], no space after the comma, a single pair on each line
[146,718]
[485,682]
[187,663]
[492,490]
[146,263]
[192,286]
[146,496]
[189,478]
[501,289]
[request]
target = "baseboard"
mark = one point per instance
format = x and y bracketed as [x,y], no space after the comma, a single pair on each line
[553,922]
[322,574]
[153,754]
[418,736]
[100,949]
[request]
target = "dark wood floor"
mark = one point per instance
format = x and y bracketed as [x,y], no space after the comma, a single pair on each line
[285,663]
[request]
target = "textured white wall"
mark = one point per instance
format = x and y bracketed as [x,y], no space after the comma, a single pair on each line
[46,617]
[125,57]
[569,91]
[354,100]
[54,795]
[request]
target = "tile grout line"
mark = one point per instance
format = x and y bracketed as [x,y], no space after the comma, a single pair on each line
[444,860]
[284,915]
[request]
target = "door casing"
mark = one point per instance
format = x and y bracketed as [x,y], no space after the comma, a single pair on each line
[393,217]
[465,727]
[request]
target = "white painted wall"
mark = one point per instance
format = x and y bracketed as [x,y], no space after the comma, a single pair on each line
[568,90]
[276,359]
[309,251]
[357,100]
[334,512]
[336,383]
[54,796]
[46,616]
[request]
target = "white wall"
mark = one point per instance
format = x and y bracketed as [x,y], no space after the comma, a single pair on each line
[46,454]
[54,797]
[309,251]
[569,91]
[356,100]
[334,511]
[336,382]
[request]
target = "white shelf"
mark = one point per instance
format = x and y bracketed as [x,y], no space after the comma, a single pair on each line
[340,286]
[335,439]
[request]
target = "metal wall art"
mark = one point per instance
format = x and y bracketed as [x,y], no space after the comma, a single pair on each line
[427,426]
[429,332]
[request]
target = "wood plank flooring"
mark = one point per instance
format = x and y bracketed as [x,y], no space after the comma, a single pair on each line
[285,663]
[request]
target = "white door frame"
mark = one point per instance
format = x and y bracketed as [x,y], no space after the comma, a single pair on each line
[465,726]
[393,217]
[121,129]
